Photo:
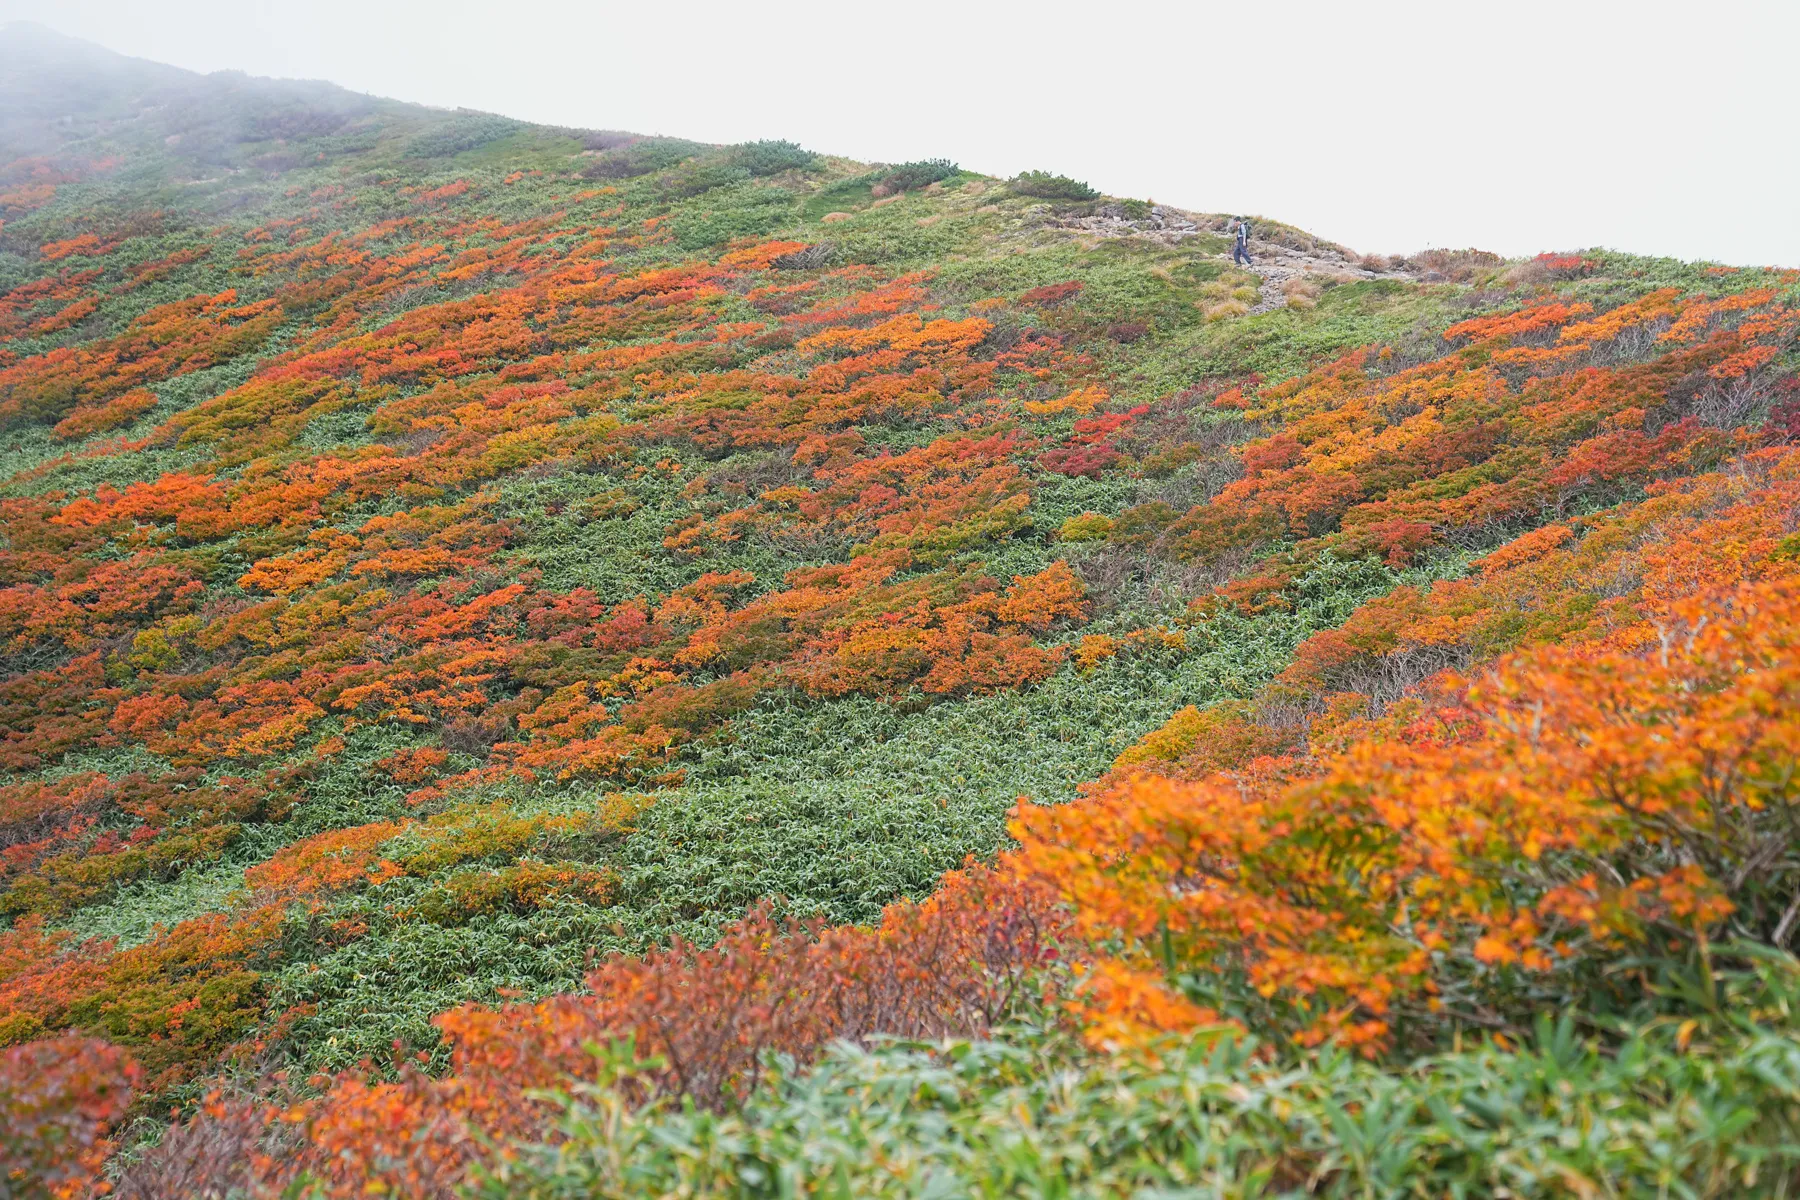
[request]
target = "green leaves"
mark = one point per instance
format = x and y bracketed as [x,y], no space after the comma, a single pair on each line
[1032,1115]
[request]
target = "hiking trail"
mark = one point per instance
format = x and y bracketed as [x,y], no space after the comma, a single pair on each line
[1279,255]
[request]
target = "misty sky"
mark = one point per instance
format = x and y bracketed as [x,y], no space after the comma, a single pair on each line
[1389,126]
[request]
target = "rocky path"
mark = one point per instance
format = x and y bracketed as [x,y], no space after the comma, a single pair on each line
[1279,265]
[1277,262]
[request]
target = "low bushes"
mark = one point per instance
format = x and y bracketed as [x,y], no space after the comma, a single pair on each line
[1044,186]
[910,177]
[1216,1115]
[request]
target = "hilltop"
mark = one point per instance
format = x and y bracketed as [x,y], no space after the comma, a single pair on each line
[451,568]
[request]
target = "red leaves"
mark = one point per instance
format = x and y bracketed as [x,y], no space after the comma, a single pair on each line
[1392,463]
[59,1098]
[1051,294]
[1091,461]
[1270,455]
[952,966]
[164,342]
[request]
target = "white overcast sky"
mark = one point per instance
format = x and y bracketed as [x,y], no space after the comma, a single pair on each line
[1388,125]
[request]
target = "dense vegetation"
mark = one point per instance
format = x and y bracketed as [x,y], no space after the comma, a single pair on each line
[530,657]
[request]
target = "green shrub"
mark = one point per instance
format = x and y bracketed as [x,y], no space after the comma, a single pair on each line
[910,177]
[1045,186]
[463,132]
[1710,1108]
[772,157]
[639,158]
[1085,527]
[694,178]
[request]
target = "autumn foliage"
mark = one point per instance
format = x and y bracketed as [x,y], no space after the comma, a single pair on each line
[387,542]
[61,1097]
[1624,782]
[704,1020]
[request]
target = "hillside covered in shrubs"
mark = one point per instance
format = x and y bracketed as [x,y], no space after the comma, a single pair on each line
[544,662]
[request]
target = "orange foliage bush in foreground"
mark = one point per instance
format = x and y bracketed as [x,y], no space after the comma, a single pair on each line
[1548,811]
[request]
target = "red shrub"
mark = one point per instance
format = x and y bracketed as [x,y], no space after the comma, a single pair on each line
[58,1098]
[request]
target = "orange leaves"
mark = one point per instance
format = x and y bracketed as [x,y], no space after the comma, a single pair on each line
[934,501]
[248,720]
[1662,303]
[1532,318]
[1649,733]
[1664,749]
[33,809]
[327,862]
[954,965]
[1081,402]
[1037,601]
[1211,875]
[1272,454]
[448,192]
[1697,317]
[263,415]
[1744,362]
[905,334]
[1395,463]
[170,340]
[98,601]
[529,376]
[39,978]
[837,630]
[951,965]
[414,766]
[178,1000]
[1195,743]
[83,244]
[760,257]
[584,747]
[194,504]
[458,403]
[449,622]
[121,410]
[1119,1008]
[1566,581]
[300,570]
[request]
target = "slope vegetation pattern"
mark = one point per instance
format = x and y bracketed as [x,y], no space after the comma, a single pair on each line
[552,662]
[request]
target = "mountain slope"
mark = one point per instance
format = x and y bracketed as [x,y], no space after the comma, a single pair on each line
[440,549]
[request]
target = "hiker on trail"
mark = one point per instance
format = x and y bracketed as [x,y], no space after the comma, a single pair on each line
[1240,250]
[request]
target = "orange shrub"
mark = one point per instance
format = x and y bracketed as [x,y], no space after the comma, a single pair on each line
[1572,799]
